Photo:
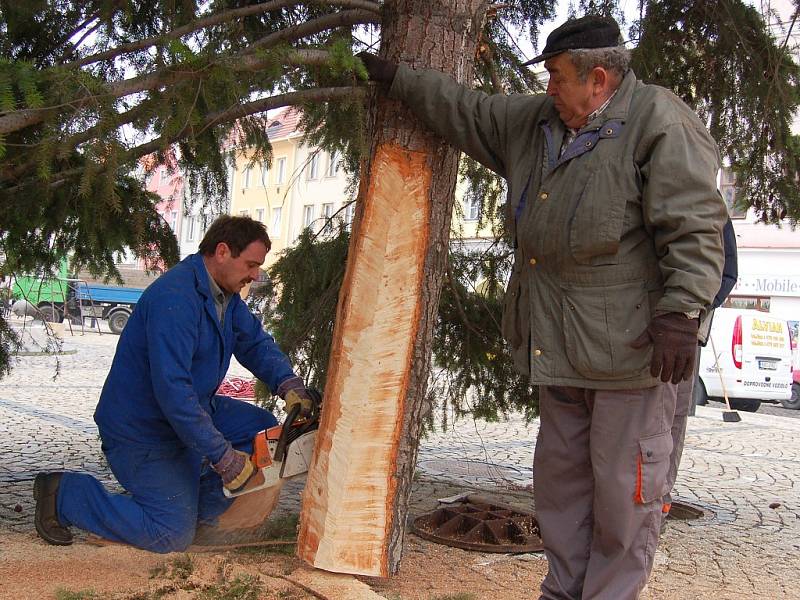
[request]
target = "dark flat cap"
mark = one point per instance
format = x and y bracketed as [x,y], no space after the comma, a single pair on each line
[587,32]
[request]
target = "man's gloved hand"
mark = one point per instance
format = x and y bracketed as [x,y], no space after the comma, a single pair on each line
[235,468]
[293,391]
[379,69]
[674,339]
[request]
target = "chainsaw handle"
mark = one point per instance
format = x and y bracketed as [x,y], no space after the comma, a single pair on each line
[280,449]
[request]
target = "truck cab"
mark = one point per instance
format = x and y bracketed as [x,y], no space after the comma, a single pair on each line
[56,297]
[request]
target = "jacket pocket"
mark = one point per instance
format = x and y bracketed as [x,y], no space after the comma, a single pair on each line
[652,466]
[511,322]
[599,324]
[596,226]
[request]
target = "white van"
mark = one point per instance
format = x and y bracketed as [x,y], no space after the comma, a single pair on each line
[749,353]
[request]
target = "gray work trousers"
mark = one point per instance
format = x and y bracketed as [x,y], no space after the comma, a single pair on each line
[682,404]
[600,474]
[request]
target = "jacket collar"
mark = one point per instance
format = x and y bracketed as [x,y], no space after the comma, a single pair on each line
[621,104]
[203,286]
[200,274]
[617,110]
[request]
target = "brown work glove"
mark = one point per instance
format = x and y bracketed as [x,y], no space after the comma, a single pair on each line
[674,339]
[379,69]
[235,468]
[293,391]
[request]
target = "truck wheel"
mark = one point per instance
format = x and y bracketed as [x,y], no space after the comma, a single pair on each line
[699,391]
[745,404]
[117,321]
[48,312]
[794,402]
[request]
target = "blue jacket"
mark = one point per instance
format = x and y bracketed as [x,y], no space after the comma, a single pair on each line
[730,270]
[171,358]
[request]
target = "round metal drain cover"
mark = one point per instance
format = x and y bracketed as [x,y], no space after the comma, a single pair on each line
[476,523]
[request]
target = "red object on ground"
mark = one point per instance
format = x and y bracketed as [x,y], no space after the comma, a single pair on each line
[238,387]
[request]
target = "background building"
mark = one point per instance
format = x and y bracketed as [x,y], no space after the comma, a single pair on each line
[769,260]
[265,192]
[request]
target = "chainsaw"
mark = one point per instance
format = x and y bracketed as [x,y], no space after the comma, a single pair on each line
[283,451]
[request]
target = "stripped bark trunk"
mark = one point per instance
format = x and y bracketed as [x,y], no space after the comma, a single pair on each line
[358,487]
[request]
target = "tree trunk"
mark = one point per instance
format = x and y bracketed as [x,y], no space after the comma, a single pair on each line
[358,487]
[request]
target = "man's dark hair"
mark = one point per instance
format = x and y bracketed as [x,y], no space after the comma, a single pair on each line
[237,232]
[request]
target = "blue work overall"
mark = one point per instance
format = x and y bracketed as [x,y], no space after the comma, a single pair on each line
[170,490]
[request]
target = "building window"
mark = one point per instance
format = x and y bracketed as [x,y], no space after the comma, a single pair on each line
[246,180]
[276,220]
[260,215]
[308,215]
[472,208]
[173,220]
[333,164]
[231,175]
[264,174]
[191,225]
[280,168]
[349,213]
[313,166]
[327,212]
[731,194]
[244,213]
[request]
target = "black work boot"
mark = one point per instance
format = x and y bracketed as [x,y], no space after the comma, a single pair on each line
[45,491]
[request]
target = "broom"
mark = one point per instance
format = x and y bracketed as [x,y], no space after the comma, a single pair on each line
[730,415]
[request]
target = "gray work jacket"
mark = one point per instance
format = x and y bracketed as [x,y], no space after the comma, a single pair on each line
[624,225]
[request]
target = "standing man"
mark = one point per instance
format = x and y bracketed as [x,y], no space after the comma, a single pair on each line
[169,440]
[683,403]
[616,226]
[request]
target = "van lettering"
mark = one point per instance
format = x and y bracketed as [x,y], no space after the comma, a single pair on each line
[771,326]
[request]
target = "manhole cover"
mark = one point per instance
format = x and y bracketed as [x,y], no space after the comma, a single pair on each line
[479,524]
[684,512]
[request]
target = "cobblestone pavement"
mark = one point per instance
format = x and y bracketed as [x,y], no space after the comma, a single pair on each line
[744,476]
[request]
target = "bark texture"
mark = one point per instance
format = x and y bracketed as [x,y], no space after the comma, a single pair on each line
[356,497]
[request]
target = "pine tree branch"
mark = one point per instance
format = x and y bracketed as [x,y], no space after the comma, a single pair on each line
[243,110]
[489,61]
[237,112]
[86,34]
[21,119]
[457,300]
[82,24]
[65,147]
[296,32]
[210,21]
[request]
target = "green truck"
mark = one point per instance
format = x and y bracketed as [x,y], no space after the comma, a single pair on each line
[58,297]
